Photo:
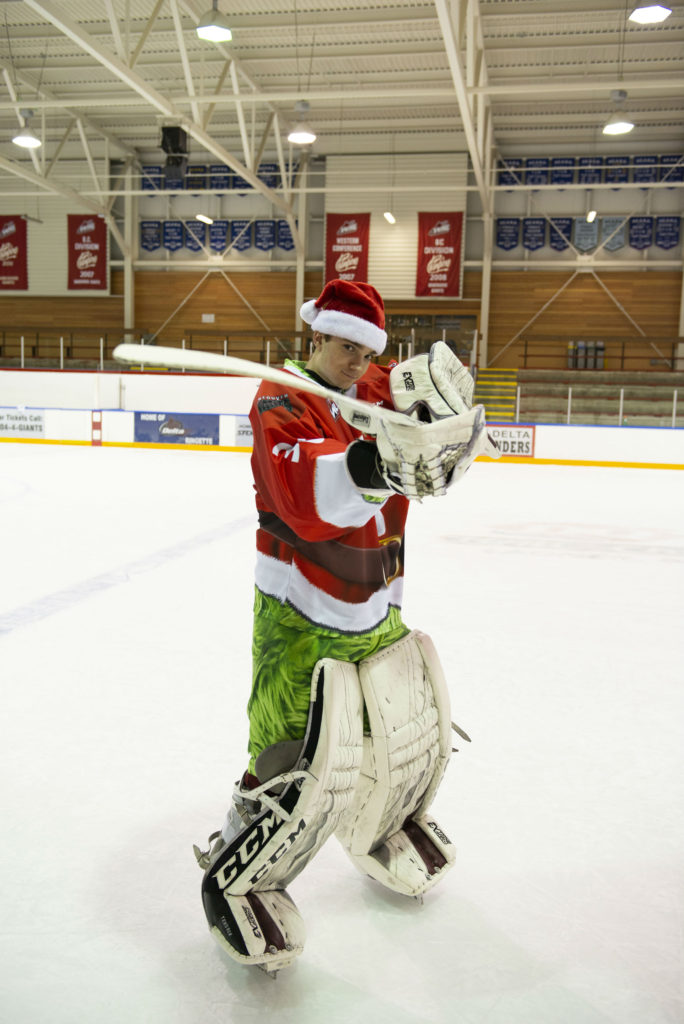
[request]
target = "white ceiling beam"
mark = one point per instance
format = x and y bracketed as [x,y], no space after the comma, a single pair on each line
[116,32]
[18,106]
[459,80]
[145,33]
[89,159]
[53,13]
[209,112]
[185,63]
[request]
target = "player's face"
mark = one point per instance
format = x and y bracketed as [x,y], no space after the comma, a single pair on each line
[338,361]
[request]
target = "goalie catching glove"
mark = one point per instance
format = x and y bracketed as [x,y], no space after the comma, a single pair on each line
[434,385]
[417,459]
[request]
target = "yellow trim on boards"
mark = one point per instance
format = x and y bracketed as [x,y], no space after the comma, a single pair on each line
[232,448]
[582,462]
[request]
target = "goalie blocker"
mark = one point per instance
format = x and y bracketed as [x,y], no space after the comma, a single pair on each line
[374,791]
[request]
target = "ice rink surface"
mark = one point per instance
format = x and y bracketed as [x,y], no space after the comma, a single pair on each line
[554,596]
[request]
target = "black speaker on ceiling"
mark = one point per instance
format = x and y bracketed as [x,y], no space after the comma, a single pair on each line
[174,140]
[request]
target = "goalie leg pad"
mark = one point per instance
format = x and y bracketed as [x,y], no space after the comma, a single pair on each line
[412,860]
[263,929]
[272,832]
[387,832]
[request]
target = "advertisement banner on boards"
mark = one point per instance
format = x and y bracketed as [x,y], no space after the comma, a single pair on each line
[26,423]
[13,254]
[346,246]
[176,428]
[87,252]
[439,270]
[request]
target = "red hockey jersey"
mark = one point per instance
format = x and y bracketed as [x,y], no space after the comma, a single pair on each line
[324,549]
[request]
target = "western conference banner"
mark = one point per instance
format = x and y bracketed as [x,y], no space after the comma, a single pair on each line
[87,252]
[346,246]
[440,266]
[13,254]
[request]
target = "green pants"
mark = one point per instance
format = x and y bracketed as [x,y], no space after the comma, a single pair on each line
[285,649]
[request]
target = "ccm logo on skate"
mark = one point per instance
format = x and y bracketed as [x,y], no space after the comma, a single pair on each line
[278,853]
[253,845]
[438,832]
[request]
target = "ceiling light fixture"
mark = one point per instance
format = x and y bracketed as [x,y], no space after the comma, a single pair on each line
[204,218]
[301,134]
[25,136]
[591,216]
[650,14]
[389,217]
[618,123]
[213,26]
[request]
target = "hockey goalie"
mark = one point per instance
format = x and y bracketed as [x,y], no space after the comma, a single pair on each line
[349,718]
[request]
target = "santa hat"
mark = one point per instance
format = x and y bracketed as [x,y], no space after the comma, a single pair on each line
[352,310]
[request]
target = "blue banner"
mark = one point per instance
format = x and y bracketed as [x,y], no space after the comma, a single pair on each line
[176,428]
[641,232]
[151,177]
[667,232]
[613,233]
[510,171]
[220,177]
[586,234]
[534,232]
[172,234]
[241,235]
[264,234]
[537,170]
[195,235]
[240,185]
[672,168]
[150,235]
[507,232]
[284,239]
[218,235]
[269,174]
[645,169]
[196,178]
[560,231]
[590,170]
[617,170]
[562,170]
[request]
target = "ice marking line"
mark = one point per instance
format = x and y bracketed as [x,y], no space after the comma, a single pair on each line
[60,600]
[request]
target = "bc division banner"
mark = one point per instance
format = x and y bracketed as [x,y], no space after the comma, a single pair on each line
[87,243]
[346,246]
[13,254]
[440,237]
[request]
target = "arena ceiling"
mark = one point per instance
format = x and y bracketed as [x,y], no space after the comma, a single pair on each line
[491,77]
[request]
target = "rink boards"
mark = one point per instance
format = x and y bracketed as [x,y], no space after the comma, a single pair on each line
[209,412]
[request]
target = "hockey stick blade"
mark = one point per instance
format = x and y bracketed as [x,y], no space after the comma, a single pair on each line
[359,414]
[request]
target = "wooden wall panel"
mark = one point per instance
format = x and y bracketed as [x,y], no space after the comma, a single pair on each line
[582,311]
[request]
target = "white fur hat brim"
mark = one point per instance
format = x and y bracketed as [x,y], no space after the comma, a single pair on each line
[344,325]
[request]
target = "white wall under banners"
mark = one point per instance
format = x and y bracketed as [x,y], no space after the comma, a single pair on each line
[100,408]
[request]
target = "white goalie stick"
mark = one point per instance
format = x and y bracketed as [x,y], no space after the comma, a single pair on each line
[362,415]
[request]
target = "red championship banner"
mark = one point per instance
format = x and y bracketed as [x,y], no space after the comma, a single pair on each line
[87,241]
[346,246]
[440,238]
[13,254]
